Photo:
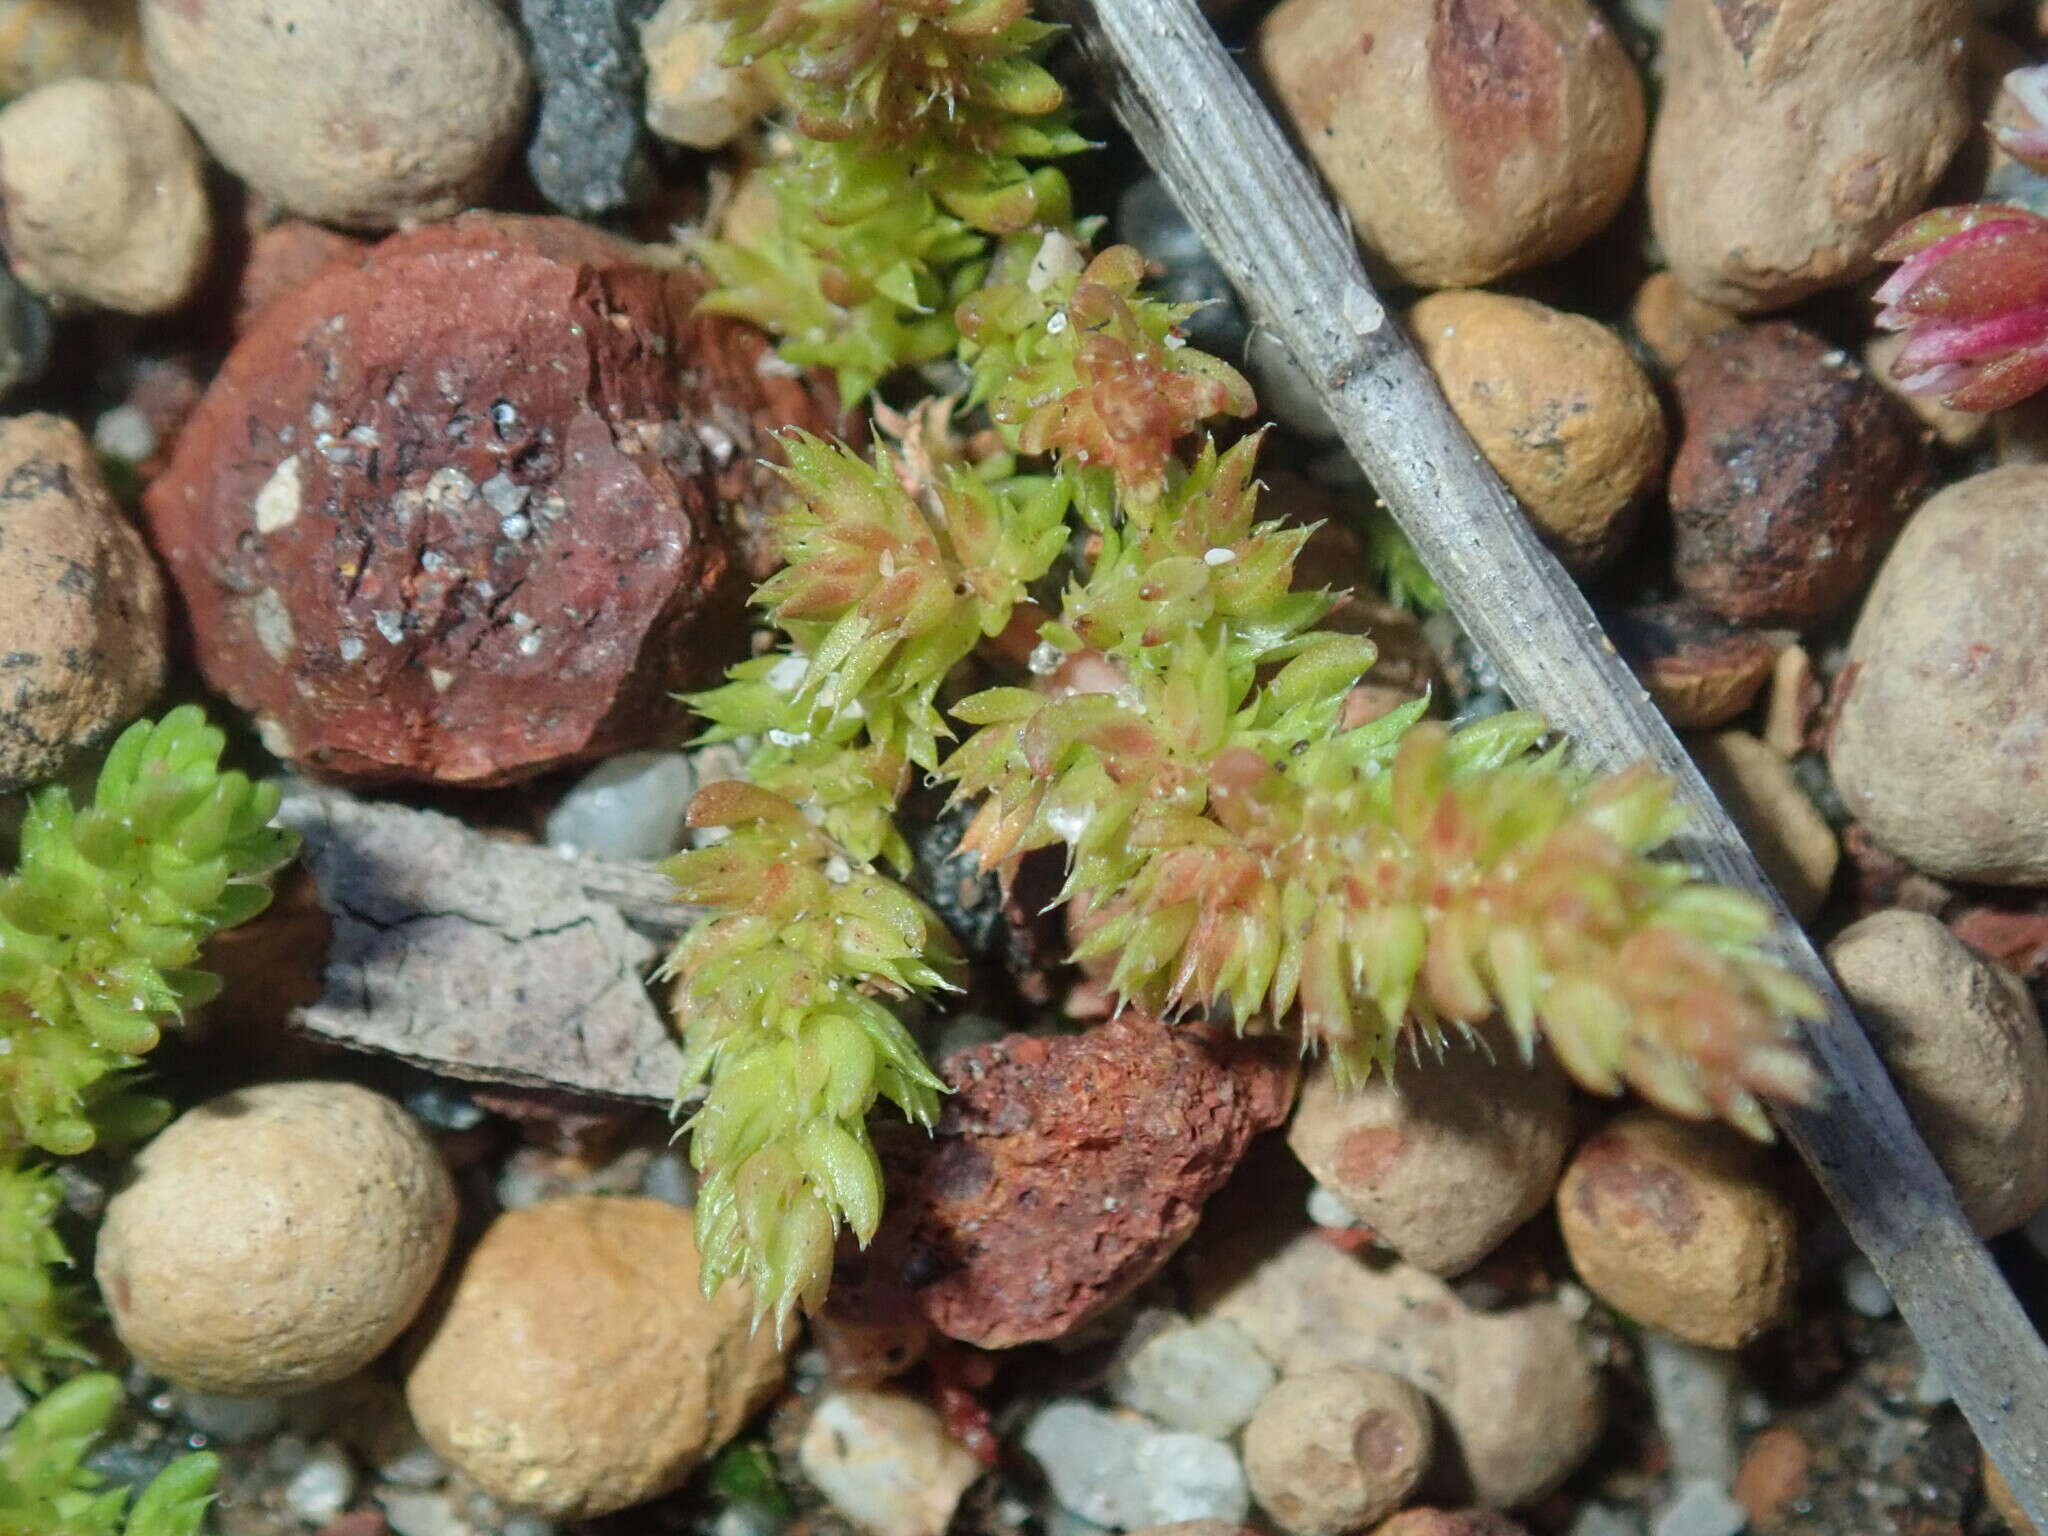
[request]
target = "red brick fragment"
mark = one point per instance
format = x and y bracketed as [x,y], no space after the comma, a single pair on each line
[1066,1170]
[476,504]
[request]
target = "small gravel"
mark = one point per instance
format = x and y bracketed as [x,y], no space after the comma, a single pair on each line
[1864,1290]
[1694,1392]
[627,807]
[1205,1378]
[1118,1471]
[322,1487]
[1702,1508]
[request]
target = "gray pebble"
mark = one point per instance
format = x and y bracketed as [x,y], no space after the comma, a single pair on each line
[230,1420]
[627,807]
[588,155]
[1205,1378]
[27,334]
[1148,217]
[1702,1508]
[1865,1290]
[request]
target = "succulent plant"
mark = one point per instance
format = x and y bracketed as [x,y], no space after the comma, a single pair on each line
[1231,849]
[1072,359]
[45,1489]
[1971,295]
[101,923]
[39,1312]
[784,996]
[1971,290]
[99,928]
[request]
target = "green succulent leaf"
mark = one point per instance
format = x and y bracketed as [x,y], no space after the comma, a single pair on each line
[783,996]
[45,1489]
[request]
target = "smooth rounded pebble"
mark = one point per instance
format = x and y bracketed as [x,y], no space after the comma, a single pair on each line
[82,626]
[1680,1226]
[1794,135]
[1332,1451]
[1961,1039]
[368,115]
[1940,712]
[1444,1157]
[1520,1399]
[275,1238]
[106,196]
[576,1366]
[885,1462]
[1464,140]
[1557,405]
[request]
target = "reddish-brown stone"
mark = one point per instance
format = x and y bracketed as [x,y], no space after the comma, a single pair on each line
[1795,468]
[283,259]
[477,504]
[1067,1169]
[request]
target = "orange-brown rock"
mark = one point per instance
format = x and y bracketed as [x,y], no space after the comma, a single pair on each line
[1066,1169]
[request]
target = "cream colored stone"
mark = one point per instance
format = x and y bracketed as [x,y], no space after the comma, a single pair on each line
[1682,1227]
[1962,1040]
[1795,135]
[1790,838]
[1520,1399]
[275,1238]
[82,624]
[885,1462]
[1334,1450]
[1445,1157]
[692,98]
[368,115]
[1464,141]
[577,1367]
[106,196]
[1941,717]
[1558,407]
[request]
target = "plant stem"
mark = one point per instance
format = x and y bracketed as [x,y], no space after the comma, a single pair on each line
[1266,221]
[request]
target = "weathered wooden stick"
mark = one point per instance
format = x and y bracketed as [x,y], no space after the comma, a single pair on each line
[1266,220]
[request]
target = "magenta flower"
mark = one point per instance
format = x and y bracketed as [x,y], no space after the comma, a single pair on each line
[1971,294]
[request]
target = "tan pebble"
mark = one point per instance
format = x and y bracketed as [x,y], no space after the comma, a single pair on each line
[1465,141]
[1961,1039]
[1939,710]
[577,1368]
[46,40]
[1796,696]
[1795,135]
[1332,1451]
[1682,1227]
[82,624]
[1699,669]
[1671,322]
[1444,1157]
[1451,1522]
[1789,836]
[105,195]
[275,1238]
[367,115]
[1773,1475]
[1558,407]
[1520,1402]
